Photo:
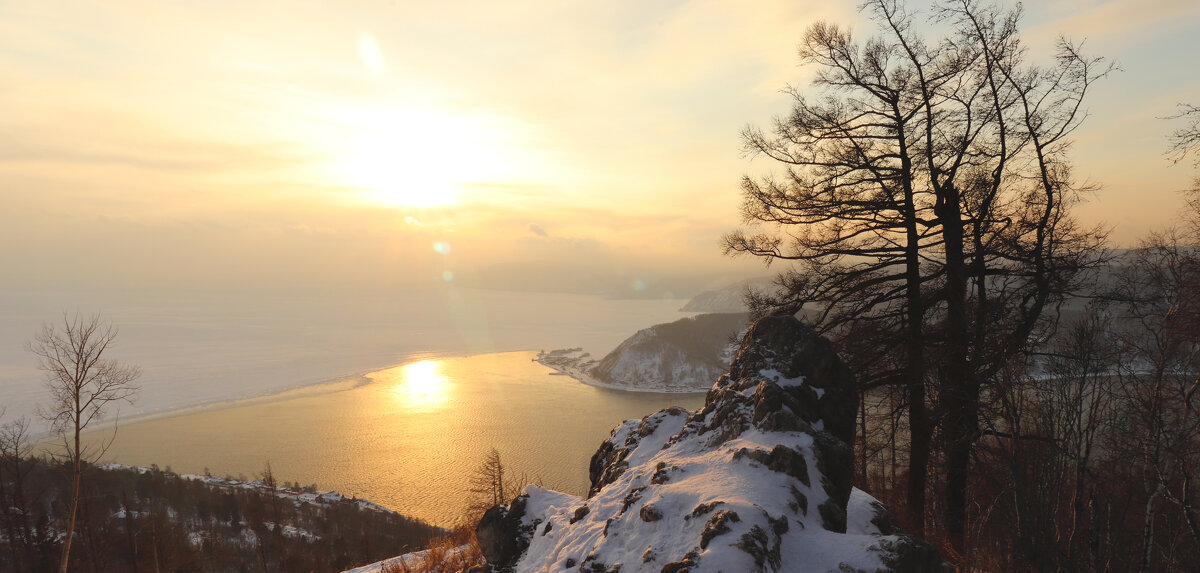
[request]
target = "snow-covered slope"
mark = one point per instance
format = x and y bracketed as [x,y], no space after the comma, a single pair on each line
[681,356]
[434,560]
[759,479]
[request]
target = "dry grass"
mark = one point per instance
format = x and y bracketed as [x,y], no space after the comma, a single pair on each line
[454,553]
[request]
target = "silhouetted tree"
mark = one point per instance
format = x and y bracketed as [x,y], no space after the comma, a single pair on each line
[83,383]
[927,193]
[15,445]
[488,487]
[1158,295]
[1185,141]
[493,484]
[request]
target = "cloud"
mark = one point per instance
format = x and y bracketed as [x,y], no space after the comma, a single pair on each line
[538,231]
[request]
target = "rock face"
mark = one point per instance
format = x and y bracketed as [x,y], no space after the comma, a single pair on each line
[759,479]
[687,354]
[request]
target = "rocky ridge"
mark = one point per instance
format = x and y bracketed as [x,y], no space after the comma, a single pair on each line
[681,356]
[759,479]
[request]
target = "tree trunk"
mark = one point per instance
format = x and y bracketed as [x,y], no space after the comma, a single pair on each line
[26,530]
[133,558]
[919,426]
[6,512]
[920,433]
[1148,528]
[960,392]
[89,534]
[862,432]
[78,463]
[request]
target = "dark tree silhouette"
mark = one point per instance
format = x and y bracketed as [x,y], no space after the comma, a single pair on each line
[1185,141]
[926,192]
[15,502]
[1157,295]
[490,486]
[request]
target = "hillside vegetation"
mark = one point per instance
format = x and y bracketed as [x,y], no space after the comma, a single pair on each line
[139,519]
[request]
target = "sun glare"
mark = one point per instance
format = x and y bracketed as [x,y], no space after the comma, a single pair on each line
[421,386]
[421,157]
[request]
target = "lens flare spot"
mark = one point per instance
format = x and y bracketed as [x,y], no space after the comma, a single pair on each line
[638,285]
[441,248]
[371,55]
[447,276]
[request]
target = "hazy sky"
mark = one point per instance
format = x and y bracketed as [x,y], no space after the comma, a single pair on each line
[390,142]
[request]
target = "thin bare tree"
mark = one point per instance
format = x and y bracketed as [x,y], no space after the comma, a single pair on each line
[84,382]
[487,483]
[15,445]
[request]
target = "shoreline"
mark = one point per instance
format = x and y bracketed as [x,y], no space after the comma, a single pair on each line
[570,362]
[378,442]
[359,379]
[339,383]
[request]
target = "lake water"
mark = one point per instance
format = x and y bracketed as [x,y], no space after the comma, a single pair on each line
[209,347]
[406,437]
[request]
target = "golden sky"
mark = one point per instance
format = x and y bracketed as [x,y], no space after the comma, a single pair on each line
[386,142]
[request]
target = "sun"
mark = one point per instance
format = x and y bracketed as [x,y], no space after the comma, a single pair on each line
[420,156]
[394,167]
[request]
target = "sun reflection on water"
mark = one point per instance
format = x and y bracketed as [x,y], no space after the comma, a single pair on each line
[421,386]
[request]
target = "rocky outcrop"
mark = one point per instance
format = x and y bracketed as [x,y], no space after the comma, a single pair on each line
[687,354]
[681,356]
[759,479]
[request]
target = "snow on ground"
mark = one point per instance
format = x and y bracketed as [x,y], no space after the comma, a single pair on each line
[319,498]
[578,364]
[415,561]
[681,356]
[759,479]
[652,527]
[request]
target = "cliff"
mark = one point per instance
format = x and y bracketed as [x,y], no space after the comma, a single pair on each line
[681,356]
[759,479]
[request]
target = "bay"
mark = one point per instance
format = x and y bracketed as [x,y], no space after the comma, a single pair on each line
[407,437]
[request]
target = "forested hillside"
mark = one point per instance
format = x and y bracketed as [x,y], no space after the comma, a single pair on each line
[138,519]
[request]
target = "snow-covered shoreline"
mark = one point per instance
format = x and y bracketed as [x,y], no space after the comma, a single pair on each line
[577,364]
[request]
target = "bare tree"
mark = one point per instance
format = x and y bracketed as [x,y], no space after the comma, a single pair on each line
[927,192]
[84,382]
[1185,141]
[487,483]
[1158,296]
[493,484]
[15,446]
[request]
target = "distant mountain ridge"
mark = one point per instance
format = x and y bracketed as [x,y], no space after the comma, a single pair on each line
[729,298]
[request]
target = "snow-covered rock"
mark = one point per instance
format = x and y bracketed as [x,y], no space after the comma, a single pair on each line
[681,356]
[759,479]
